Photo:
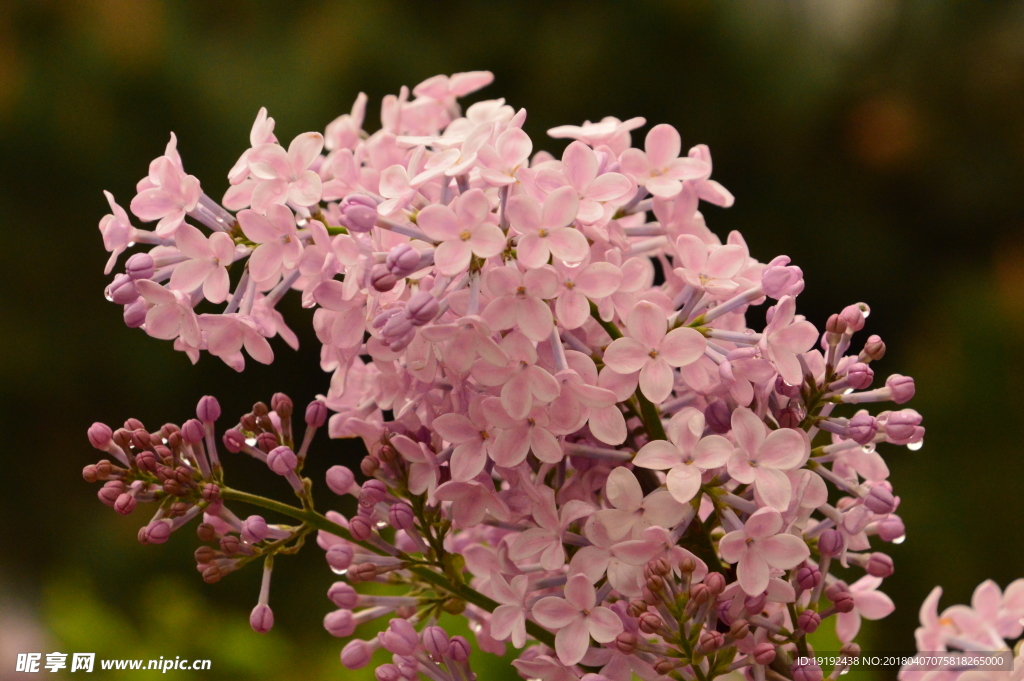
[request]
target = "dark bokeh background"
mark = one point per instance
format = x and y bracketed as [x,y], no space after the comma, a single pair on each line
[878,143]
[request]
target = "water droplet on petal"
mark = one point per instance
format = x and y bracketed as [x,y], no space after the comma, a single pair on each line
[900,539]
[251,441]
[914,446]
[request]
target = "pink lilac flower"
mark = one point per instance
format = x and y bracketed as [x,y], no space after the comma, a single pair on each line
[508,621]
[462,232]
[546,230]
[519,300]
[869,603]
[580,171]
[277,238]
[761,457]
[661,170]
[686,456]
[546,538]
[207,265]
[286,176]
[758,548]
[173,195]
[577,617]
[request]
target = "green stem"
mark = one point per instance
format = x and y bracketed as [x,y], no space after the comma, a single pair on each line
[320,522]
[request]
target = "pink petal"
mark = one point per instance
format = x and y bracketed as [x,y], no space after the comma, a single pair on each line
[256,227]
[487,240]
[599,280]
[152,204]
[580,593]
[847,625]
[572,309]
[796,338]
[683,483]
[560,208]
[608,187]
[532,250]
[605,625]
[591,561]
[732,546]
[783,551]
[608,425]
[663,187]
[662,145]
[530,543]
[579,163]
[534,318]
[572,641]
[873,605]
[452,257]
[265,262]
[544,445]
[773,487]
[541,283]
[189,275]
[468,460]
[752,573]
[306,189]
[764,522]
[623,491]
[524,213]
[784,448]
[748,429]
[656,379]
[625,355]
[739,467]
[646,323]
[394,182]
[662,509]
[455,428]
[514,147]
[568,244]
[510,448]
[659,455]
[438,222]
[304,149]
[682,346]
[554,612]
[217,285]
[502,281]
[268,161]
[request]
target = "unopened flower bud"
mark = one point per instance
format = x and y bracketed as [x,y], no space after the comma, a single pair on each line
[687,565]
[122,290]
[255,529]
[388,672]
[134,314]
[626,643]
[808,577]
[874,348]
[401,517]
[158,531]
[763,653]
[891,528]
[458,648]
[710,641]
[649,623]
[358,212]
[421,308]
[664,667]
[830,543]
[854,316]
[339,623]
[356,654]
[402,260]
[809,621]
[655,583]
[343,595]
[382,279]
[89,473]
[204,554]
[340,480]
[146,462]
[400,637]
[880,500]
[266,441]
[718,417]
[862,428]
[369,465]
[636,608]
[902,388]
[230,544]
[435,640]
[715,582]
[282,404]
[282,460]
[206,532]
[755,604]
[208,409]
[339,556]
[360,528]
[843,601]
[316,414]
[100,436]
[879,565]
[233,440]
[140,266]
[125,504]
[860,375]
[779,278]
[396,326]
[373,492]
[835,325]
[211,492]
[806,672]
[739,629]
[901,426]
[192,431]
[700,594]
[261,619]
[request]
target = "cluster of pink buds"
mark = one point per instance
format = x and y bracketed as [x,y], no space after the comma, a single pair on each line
[574,438]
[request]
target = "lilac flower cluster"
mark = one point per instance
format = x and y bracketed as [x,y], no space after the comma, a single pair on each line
[574,438]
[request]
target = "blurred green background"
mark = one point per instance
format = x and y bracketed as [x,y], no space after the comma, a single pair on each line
[879,143]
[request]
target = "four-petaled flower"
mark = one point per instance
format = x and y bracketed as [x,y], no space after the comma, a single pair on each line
[661,170]
[577,617]
[463,232]
[547,230]
[762,457]
[758,547]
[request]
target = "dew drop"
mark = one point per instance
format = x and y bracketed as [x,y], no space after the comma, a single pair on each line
[251,441]
[338,572]
[914,446]
[900,539]
[106,294]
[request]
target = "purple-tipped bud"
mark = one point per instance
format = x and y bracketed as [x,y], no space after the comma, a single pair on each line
[400,637]
[710,641]
[902,388]
[192,431]
[140,266]
[435,640]
[396,327]
[763,653]
[358,212]
[874,348]
[381,278]
[282,460]
[715,582]
[158,531]
[854,316]
[208,409]
[891,529]
[402,260]
[146,462]
[626,643]
[233,440]
[339,623]
[135,313]
[809,621]
[880,500]
[458,648]
[843,602]
[261,619]
[401,517]
[343,595]
[718,417]
[122,290]
[421,308]
[266,441]
[880,565]
[255,529]
[808,577]
[316,414]
[779,278]
[862,428]
[282,404]
[100,435]
[860,375]
[360,528]
[830,543]
[125,504]
[806,672]
[340,479]
[901,426]
[356,654]
[388,672]
[110,492]
[339,557]
[373,492]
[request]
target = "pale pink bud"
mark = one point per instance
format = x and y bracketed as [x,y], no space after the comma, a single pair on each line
[710,641]
[122,290]
[902,388]
[874,348]
[880,500]
[282,460]
[859,375]
[135,314]
[835,325]
[233,440]
[139,266]
[421,308]
[316,414]
[808,577]
[763,653]
[339,556]
[402,260]
[843,602]
[715,582]
[382,279]
[396,326]
[854,316]
[110,492]
[192,431]
[880,565]
[808,672]
[100,435]
[255,529]
[401,517]
[458,648]
[340,479]
[809,621]
[862,428]
[125,504]
[399,638]
[282,404]
[261,619]
[626,643]
[360,528]
[373,492]
[208,409]
[779,278]
[358,212]
[343,595]
[158,531]
[891,529]
[830,543]
[901,426]
[388,672]
[339,623]
[356,654]
[435,640]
